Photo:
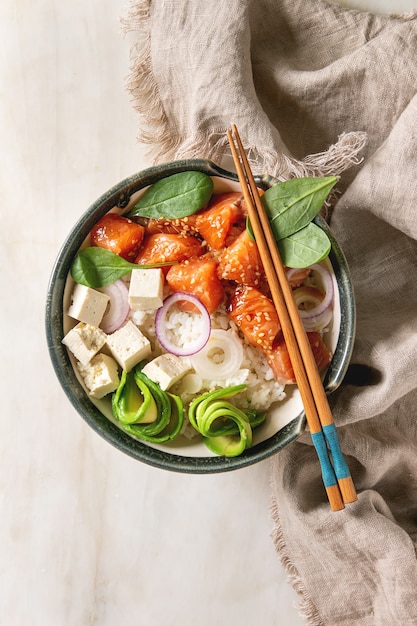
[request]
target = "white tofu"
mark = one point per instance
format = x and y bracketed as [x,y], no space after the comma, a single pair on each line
[128,345]
[87,305]
[146,289]
[85,341]
[166,370]
[100,376]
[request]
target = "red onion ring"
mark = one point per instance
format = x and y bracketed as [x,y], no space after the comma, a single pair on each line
[118,307]
[320,315]
[160,325]
[296,275]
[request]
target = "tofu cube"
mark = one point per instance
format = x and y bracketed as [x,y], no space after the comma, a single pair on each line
[128,345]
[85,341]
[146,289]
[100,375]
[87,305]
[166,370]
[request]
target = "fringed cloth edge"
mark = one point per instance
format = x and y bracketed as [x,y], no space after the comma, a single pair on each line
[165,145]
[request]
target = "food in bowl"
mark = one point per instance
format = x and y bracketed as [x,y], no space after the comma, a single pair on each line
[169,323]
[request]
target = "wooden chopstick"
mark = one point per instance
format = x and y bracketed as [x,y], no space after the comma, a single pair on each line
[336,477]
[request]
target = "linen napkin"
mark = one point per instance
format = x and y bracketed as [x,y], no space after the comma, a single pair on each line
[317,89]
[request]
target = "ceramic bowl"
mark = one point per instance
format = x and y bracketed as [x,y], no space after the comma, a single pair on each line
[182,455]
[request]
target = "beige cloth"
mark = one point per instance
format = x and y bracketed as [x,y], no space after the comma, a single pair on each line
[298,76]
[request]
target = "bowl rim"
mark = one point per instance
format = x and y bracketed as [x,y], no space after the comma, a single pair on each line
[118,196]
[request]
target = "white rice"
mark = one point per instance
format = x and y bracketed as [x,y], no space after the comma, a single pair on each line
[262,389]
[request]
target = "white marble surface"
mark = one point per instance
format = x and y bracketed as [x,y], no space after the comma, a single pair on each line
[90,536]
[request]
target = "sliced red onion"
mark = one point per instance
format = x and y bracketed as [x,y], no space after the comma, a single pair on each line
[296,275]
[161,325]
[118,307]
[318,317]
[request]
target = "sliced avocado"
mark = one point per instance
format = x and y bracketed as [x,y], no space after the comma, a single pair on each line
[170,430]
[162,403]
[226,445]
[198,406]
[226,429]
[133,403]
[173,428]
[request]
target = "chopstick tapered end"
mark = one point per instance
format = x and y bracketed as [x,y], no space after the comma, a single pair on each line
[348,490]
[335,498]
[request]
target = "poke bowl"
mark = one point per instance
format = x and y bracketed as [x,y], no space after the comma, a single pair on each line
[141,336]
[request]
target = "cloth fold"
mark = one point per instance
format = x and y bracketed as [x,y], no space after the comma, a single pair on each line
[315,89]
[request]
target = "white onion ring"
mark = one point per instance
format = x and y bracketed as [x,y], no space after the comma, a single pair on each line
[320,315]
[220,341]
[307,295]
[160,325]
[118,307]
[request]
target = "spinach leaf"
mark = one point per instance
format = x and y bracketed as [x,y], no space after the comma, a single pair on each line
[292,204]
[305,247]
[176,196]
[97,267]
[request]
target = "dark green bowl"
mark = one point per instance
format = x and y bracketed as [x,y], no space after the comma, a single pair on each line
[168,457]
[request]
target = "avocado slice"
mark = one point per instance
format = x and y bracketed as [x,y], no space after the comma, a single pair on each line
[133,403]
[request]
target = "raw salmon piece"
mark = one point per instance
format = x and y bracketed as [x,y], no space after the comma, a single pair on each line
[166,247]
[255,316]
[280,362]
[222,219]
[321,353]
[241,262]
[198,276]
[118,234]
[179,226]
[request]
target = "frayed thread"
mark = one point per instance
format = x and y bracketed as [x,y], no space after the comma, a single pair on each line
[165,144]
[406,17]
[337,158]
[141,84]
[155,129]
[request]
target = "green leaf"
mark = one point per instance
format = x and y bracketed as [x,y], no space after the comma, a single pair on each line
[305,247]
[292,204]
[97,267]
[249,229]
[176,196]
